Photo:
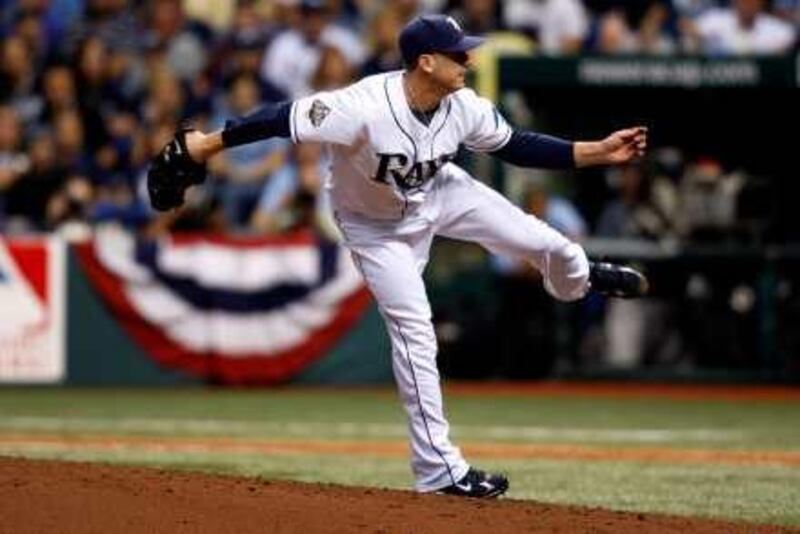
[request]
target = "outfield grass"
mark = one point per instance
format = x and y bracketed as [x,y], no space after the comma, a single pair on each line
[756,492]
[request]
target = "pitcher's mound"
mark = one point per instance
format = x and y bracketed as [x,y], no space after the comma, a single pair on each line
[45,496]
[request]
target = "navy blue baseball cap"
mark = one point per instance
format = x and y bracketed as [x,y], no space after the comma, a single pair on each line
[434,33]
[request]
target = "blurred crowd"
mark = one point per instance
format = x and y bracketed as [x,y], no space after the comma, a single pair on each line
[665,199]
[91,89]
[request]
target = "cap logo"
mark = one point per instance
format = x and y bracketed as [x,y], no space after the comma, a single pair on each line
[454,24]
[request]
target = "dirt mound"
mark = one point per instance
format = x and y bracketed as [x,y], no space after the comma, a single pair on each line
[43,496]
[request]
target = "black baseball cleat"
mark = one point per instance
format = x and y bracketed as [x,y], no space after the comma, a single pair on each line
[617,280]
[479,485]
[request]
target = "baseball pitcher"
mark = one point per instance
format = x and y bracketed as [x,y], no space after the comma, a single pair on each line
[394,187]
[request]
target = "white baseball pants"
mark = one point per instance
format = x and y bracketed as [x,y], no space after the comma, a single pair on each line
[392,257]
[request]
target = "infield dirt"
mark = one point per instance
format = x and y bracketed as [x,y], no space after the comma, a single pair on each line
[67,497]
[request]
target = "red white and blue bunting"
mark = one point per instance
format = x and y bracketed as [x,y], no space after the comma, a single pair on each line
[230,310]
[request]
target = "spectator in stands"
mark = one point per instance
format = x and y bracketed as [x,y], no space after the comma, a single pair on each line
[408,9]
[108,97]
[613,35]
[117,203]
[18,79]
[709,198]
[30,27]
[692,8]
[384,28]
[615,31]
[68,209]
[294,55]
[111,21]
[788,11]
[12,11]
[125,79]
[478,17]
[114,162]
[243,49]
[347,13]
[217,15]
[165,98]
[636,333]
[654,34]
[58,89]
[559,26]
[666,169]
[244,58]
[556,210]
[69,206]
[333,71]
[243,171]
[184,42]
[14,162]
[633,213]
[28,196]
[69,137]
[743,28]
[96,94]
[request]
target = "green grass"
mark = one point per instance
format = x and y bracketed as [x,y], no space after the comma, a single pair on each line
[762,493]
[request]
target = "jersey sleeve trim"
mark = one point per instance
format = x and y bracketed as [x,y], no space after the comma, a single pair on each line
[498,146]
[502,143]
[293,123]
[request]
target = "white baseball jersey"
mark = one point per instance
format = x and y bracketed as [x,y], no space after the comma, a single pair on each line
[394,189]
[384,158]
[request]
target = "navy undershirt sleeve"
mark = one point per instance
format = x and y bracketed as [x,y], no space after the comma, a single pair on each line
[270,120]
[530,149]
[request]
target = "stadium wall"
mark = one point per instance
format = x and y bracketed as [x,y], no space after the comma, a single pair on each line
[95,345]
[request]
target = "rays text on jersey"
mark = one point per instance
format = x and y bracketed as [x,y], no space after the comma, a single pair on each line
[408,176]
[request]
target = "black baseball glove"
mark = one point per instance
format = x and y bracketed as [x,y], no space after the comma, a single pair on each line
[171,172]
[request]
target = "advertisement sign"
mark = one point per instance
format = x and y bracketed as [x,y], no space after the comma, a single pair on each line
[32,285]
